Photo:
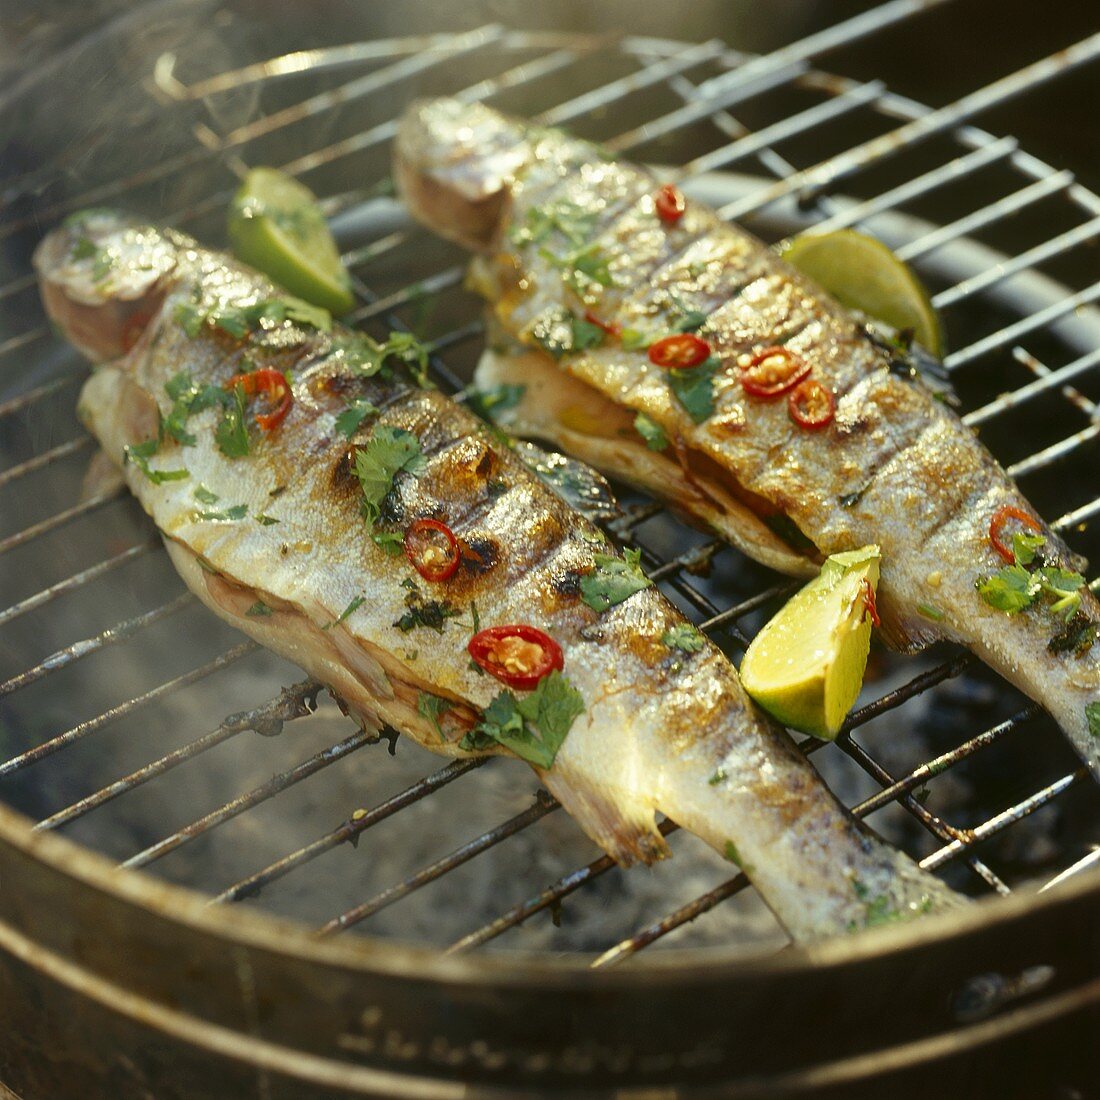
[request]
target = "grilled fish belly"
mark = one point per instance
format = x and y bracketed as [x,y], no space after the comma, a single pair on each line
[274,541]
[580,268]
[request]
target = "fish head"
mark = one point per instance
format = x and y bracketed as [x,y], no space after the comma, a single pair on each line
[454,164]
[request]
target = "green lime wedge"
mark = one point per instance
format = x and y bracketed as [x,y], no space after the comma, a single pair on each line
[276,225]
[864,274]
[806,665]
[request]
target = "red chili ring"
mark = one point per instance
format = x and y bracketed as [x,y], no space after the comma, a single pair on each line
[670,203]
[680,351]
[422,556]
[273,385]
[997,525]
[811,405]
[531,653]
[612,328]
[762,378]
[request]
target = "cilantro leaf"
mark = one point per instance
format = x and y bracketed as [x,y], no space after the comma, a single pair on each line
[84,249]
[259,608]
[694,389]
[355,604]
[486,403]
[651,432]
[265,520]
[231,434]
[684,636]
[348,422]
[1024,547]
[586,334]
[393,542]
[613,580]
[238,511]
[204,496]
[187,399]
[534,727]
[1092,716]
[388,452]
[433,708]
[140,453]
[571,220]
[1009,590]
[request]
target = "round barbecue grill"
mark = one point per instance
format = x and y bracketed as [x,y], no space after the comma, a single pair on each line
[212,884]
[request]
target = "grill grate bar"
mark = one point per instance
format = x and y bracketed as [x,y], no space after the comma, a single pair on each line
[1020,328]
[21,340]
[78,732]
[985,216]
[76,580]
[1002,820]
[1055,451]
[31,397]
[831,171]
[954,170]
[1017,397]
[349,831]
[292,702]
[45,458]
[254,797]
[1078,516]
[543,805]
[76,651]
[1049,249]
[550,898]
[59,519]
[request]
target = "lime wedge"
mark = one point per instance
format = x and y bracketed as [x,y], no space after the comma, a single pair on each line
[864,274]
[276,225]
[806,665]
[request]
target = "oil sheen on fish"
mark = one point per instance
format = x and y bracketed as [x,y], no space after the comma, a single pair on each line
[270,532]
[583,272]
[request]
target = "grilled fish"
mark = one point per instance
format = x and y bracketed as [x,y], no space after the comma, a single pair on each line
[584,270]
[267,527]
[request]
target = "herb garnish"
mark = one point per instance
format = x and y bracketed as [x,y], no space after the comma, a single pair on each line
[1076,636]
[265,520]
[488,402]
[651,432]
[571,220]
[422,612]
[684,636]
[368,357]
[694,388]
[238,511]
[1092,716]
[533,727]
[102,259]
[613,580]
[239,321]
[581,267]
[204,496]
[433,708]
[231,434]
[259,608]
[1015,588]
[393,542]
[140,453]
[388,452]
[356,602]
[348,422]
[188,398]
[560,332]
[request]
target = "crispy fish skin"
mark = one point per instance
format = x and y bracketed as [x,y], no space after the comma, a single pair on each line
[662,730]
[895,467]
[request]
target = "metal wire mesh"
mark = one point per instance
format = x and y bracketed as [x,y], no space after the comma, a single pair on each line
[660,101]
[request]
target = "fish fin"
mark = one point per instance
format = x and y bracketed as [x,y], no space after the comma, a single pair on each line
[103,475]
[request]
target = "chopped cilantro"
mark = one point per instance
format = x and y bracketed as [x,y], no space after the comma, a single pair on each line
[586,334]
[731,853]
[930,612]
[424,613]
[1024,547]
[719,776]
[684,636]
[1009,590]
[347,423]
[559,332]
[433,708]
[187,399]
[685,319]
[1014,588]
[84,249]
[393,542]
[486,403]
[694,388]
[1063,586]
[238,321]
[651,432]
[238,511]
[140,453]
[1076,636]
[231,434]
[571,220]
[265,520]
[356,602]
[258,608]
[388,452]
[581,267]
[102,259]
[534,727]
[613,580]
[367,356]
[204,496]
[1092,716]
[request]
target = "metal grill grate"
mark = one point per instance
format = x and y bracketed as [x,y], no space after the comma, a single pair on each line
[675,99]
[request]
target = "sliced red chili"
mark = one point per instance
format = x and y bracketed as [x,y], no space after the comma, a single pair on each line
[670,203]
[998,524]
[869,606]
[612,328]
[811,405]
[518,655]
[432,548]
[773,371]
[679,351]
[274,386]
